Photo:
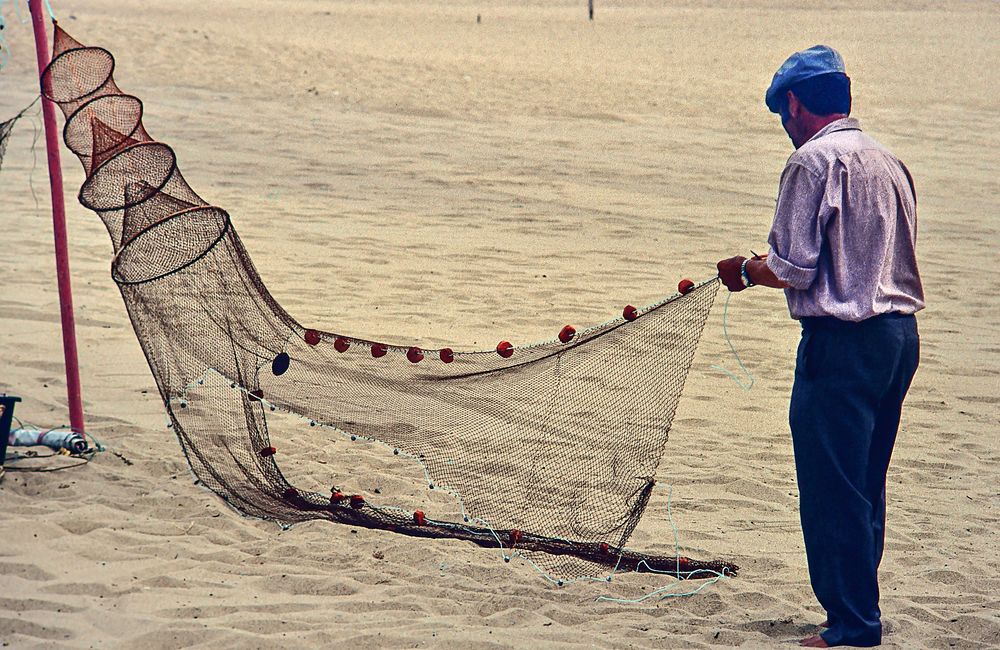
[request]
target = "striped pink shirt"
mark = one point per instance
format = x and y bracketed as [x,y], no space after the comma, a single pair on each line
[845,228]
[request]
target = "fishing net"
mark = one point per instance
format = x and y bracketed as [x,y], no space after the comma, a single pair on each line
[547,451]
[6,128]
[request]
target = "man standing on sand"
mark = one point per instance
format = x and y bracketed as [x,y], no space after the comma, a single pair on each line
[843,249]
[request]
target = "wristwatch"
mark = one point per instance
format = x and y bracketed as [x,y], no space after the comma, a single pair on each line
[747,282]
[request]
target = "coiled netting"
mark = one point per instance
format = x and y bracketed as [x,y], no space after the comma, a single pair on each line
[548,450]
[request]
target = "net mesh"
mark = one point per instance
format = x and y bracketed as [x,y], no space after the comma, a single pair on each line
[547,450]
[6,128]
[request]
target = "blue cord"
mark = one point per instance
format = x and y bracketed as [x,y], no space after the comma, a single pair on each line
[666,592]
[21,18]
[4,50]
[729,342]
[24,20]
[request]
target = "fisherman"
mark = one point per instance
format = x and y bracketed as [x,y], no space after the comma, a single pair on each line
[842,246]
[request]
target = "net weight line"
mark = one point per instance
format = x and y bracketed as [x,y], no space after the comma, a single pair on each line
[681,567]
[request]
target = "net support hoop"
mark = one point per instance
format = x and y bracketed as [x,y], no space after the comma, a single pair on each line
[59,232]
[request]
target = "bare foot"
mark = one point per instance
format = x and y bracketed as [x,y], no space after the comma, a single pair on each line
[815,641]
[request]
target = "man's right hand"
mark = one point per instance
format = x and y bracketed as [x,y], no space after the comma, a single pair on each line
[729,273]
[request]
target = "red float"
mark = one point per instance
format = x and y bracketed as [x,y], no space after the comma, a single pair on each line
[685,286]
[505,349]
[447,355]
[605,548]
[630,312]
[337,497]
[341,344]
[418,517]
[379,350]
[515,537]
[357,501]
[567,333]
[267,452]
[312,337]
[415,355]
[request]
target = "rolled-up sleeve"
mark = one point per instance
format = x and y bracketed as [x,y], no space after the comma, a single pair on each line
[797,231]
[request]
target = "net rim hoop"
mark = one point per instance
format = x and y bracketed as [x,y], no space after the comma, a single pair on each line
[166,178]
[45,74]
[180,213]
[72,116]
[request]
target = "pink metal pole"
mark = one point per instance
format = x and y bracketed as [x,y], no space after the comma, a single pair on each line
[59,227]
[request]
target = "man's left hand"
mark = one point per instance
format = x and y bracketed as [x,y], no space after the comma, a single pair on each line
[729,273]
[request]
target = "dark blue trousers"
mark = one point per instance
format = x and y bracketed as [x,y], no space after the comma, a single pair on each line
[850,381]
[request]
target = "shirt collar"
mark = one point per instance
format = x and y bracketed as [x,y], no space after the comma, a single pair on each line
[843,124]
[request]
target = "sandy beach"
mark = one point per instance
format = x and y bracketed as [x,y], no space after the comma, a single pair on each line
[401,171]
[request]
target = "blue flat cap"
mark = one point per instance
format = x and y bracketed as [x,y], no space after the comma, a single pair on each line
[817,60]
